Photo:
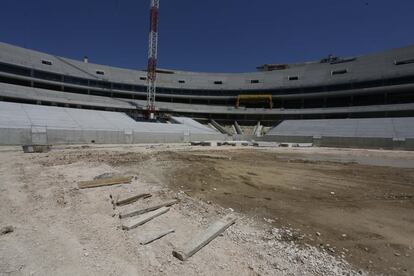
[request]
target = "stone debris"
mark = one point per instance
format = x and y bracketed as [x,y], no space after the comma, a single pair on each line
[36,148]
[6,230]
[260,144]
[269,220]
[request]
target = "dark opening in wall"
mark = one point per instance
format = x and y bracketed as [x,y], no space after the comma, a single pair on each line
[399,98]
[371,99]
[293,78]
[336,116]
[161,90]
[123,95]
[139,88]
[47,86]
[403,62]
[75,80]
[260,105]
[181,81]
[314,103]
[99,93]
[311,89]
[128,87]
[339,72]
[117,86]
[14,81]
[343,60]
[181,100]
[100,72]
[101,84]
[46,62]
[75,90]
[218,102]
[368,84]
[254,81]
[218,82]
[184,92]
[336,87]
[338,101]
[277,103]
[13,69]
[143,78]
[47,75]
[140,97]
[400,80]
[18,100]
[292,104]
[403,113]
[198,101]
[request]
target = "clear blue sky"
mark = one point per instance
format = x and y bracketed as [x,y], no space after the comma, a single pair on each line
[209,35]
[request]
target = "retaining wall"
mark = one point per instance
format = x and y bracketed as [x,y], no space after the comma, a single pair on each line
[39,136]
[345,142]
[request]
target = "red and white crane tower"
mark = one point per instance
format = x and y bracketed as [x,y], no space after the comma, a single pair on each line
[152,59]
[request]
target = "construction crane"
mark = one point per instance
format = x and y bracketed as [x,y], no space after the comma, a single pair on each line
[152,59]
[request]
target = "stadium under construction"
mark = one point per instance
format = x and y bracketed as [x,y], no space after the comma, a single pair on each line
[349,89]
[291,169]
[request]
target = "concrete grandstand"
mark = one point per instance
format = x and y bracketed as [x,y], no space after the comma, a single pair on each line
[33,124]
[377,85]
[387,133]
[370,86]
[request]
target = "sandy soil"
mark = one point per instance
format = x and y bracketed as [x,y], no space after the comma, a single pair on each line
[300,212]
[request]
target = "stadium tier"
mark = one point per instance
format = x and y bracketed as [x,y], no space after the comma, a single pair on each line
[370,86]
[386,133]
[23,124]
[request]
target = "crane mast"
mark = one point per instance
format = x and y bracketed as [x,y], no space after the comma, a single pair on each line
[152,59]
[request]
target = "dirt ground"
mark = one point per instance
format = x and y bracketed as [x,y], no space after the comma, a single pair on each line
[300,211]
[364,213]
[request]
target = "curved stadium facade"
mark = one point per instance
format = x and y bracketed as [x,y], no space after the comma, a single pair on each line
[370,86]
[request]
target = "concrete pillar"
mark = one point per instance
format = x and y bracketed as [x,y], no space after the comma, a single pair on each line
[129,136]
[238,128]
[398,143]
[258,130]
[39,135]
[187,136]
[317,141]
